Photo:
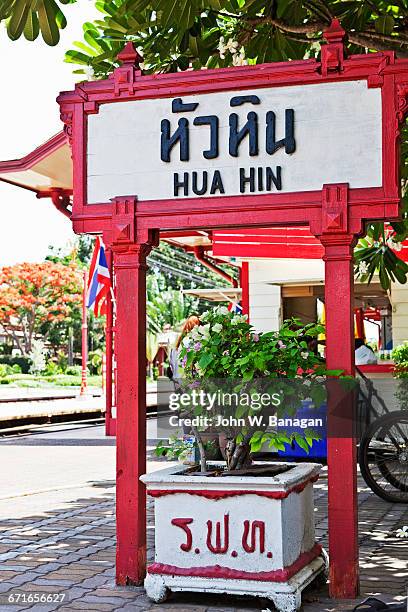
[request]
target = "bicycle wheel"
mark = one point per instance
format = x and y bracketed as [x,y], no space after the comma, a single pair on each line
[383,457]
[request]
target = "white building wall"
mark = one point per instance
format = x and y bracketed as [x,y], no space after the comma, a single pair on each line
[399,300]
[265,303]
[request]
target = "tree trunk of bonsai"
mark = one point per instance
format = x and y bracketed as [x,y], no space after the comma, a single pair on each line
[238,456]
[201,448]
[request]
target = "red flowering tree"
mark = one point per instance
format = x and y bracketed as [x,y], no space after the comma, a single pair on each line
[34,296]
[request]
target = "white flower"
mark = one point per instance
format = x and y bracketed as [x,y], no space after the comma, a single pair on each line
[232,46]
[402,533]
[142,66]
[362,267]
[304,354]
[89,72]
[186,342]
[222,47]
[222,310]
[217,327]
[239,59]
[204,330]
[195,333]
[204,316]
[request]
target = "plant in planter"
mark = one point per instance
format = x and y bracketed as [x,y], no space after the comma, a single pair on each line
[225,530]
[225,347]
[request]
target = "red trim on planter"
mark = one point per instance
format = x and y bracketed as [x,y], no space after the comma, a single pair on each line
[215,495]
[217,571]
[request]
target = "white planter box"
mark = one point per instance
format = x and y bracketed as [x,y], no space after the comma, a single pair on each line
[235,534]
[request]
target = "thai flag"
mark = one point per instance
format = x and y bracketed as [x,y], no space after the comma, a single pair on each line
[99,283]
[235,308]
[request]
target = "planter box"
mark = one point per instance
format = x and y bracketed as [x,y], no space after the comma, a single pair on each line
[237,534]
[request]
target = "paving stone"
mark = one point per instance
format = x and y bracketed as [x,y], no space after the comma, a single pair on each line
[99,607]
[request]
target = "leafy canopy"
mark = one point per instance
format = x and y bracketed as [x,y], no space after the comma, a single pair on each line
[176,35]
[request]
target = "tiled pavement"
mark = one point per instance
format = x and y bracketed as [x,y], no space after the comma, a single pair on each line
[71,552]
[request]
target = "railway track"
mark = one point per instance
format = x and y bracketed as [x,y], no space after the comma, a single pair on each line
[35,423]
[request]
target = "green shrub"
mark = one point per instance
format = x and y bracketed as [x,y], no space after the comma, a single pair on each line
[400,356]
[5,370]
[62,361]
[4,381]
[95,362]
[75,370]
[51,368]
[23,362]
[16,369]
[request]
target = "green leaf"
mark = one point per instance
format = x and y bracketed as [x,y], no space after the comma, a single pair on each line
[384,24]
[47,15]
[32,26]
[20,14]
[205,360]
[256,445]
[302,443]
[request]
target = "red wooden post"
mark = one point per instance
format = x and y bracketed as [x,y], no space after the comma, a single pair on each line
[109,425]
[130,349]
[84,347]
[341,451]
[245,287]
[338,235]
[360,323]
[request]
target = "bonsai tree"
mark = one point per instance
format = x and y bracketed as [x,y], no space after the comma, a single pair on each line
[280,364]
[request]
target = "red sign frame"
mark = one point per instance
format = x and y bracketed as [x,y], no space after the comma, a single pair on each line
[127,83]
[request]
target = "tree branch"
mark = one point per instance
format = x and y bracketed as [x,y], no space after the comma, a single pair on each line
[362,41]
[307,28]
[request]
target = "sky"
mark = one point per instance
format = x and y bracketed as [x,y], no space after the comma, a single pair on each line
[31,76]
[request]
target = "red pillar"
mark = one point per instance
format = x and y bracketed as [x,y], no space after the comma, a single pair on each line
[84,381]
[110,425]
[341,451]
[360,323]
[245,287]
[130,348]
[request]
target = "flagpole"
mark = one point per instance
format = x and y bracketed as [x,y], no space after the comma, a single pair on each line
[84,382]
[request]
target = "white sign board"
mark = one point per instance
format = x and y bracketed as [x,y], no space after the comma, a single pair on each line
[254,141]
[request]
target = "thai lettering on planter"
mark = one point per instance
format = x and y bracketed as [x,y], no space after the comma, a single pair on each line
[243,137]
[218,537]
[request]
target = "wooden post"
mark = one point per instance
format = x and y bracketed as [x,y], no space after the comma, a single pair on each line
[109,424]
[84,347]
[130,344]
[359,313]
[338,234]
[245,288]
[129,262]
[341,450]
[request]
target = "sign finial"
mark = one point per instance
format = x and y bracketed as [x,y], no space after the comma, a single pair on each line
[129,55]
[332,54]
[334,33]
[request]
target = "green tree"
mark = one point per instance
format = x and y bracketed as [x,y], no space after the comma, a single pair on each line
[178,35]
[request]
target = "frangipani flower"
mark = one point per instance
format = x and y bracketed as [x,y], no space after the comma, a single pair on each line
[403,532]
[362,267]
